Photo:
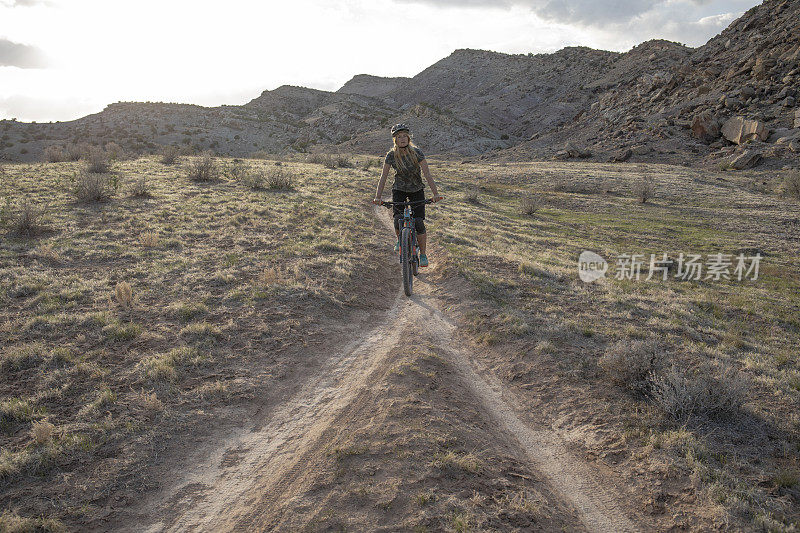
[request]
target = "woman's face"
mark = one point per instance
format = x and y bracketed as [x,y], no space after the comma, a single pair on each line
[401,139]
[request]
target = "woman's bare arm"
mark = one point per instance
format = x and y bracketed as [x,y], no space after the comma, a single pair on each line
[432,184]
[381,183]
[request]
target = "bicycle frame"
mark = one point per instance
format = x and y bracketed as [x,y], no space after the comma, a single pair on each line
[409,258]
[408,221]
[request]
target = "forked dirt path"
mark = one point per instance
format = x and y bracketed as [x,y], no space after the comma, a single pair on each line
[238,484]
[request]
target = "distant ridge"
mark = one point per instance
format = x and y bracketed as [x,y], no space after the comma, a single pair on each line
[643,105]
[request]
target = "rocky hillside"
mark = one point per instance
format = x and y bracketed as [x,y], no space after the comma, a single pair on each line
[746,76]
[731,102]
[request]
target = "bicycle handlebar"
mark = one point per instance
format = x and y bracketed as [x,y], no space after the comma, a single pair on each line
[403,204]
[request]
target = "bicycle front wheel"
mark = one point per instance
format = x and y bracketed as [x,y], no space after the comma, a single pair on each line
[405,260]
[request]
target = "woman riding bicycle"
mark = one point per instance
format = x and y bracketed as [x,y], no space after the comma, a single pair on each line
[407,161]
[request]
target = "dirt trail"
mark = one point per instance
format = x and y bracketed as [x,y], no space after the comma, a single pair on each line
[239,483]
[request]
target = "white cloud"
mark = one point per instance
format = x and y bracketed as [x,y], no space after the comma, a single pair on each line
[20,55]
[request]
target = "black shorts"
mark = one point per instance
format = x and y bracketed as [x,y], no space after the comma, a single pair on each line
[417,211]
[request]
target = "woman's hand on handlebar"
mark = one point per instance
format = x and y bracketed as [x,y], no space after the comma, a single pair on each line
[437,198]
[377,201]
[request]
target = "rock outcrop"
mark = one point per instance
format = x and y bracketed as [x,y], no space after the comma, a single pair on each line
[747,159]
[740,130]
[705,127]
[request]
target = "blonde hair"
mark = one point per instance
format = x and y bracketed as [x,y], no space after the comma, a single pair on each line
[405,150]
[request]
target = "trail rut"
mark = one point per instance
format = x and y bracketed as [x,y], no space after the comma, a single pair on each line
[239,483]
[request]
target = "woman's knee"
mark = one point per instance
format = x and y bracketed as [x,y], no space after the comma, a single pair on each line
[420,226]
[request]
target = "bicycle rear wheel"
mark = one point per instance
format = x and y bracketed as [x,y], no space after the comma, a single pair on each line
[405,260]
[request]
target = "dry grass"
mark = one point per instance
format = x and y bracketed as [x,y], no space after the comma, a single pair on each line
[645,188]
[76,151]
[140,188]
[458,461]
[204,286]
[472,195]
[681,394]
[150,401]
[724,371]
[239,170]
[280,179]
[631,364]
[42,432]
[149,239]
[791,185]
[11,522]
[115,152]
[330,161]
[528,205]
[123,294]
[104,365]
[29,221]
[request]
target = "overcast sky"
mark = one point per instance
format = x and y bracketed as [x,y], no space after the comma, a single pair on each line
[63,59]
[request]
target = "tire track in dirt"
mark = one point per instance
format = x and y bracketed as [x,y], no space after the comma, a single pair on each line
[599,507]
[236,476]
[239,486]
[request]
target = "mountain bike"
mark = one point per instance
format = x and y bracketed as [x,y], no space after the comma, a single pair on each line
[409,250]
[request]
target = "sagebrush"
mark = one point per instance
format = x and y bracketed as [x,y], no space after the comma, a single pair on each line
[204,168]
[90,187]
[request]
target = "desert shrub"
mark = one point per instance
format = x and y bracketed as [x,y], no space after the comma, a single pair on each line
[791,184]
[13,411]
[54,154]
[258,179]
[6,211]
[631,364]
[97,161]
[76,152]
[29,220]
[90,187]
[576,187]
[204,168]
[680,394]
[255,179]
[472,195]
[371,162]
[528,206]
[140,188]
[280,179]
[169,155]
[319,158]
[343,161]
[149,239]
[123,294]
[330,160]
[42,431]
[115,152]
[239,170]
[644,188]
